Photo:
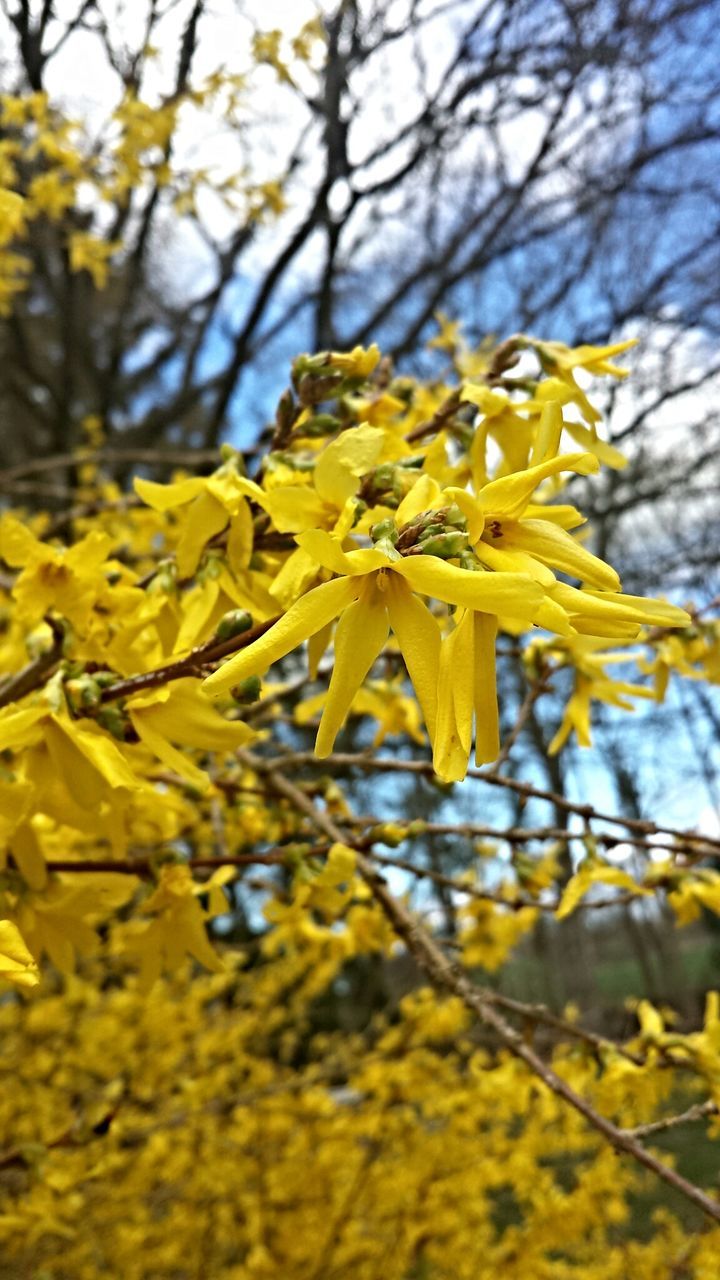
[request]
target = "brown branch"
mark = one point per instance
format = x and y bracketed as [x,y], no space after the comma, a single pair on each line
[148,867]
[439,419]
[152,457]
[444,974]
[203,655]
[535,690]
[35,673]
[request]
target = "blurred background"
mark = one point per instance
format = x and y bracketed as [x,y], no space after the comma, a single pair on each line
[387,168]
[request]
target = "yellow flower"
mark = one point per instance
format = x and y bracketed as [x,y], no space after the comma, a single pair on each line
[376,592]
[12,216]
[357,363]
[327,503]
[91,254]
[16,962]
[183,713]
[212,502]
[66,579]
[560,361]
[588,657]
[503,538]
[87,760]
[179,925]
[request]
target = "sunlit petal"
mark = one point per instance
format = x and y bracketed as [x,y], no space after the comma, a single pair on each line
[309,614]
[359,637]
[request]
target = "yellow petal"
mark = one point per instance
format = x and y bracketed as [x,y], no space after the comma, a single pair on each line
[560,513]
[240,538]
[547,440]
[453,732]
[487,730]
[88,762]
[15,798]
[205,518]
[557,549]
[297,574]
[199,606]
[187,716]
[317,645]
[309,614]
[418,635]
[295,508]
[499,555]
[359,637]
[170,756]
[16,963]
[19,728]
[163,497]
[29,856]
[509,496]
[424,495]
[18,546]
[327,552]
[590,440]
[657,613]
[508,593]
[344,460]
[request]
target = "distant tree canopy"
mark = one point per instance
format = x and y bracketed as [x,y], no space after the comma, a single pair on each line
[521,164]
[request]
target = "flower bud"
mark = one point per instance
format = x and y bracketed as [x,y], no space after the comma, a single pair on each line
[384,529]
[445,545]
[112,718]
[247,691]
[321,424]
[83,692]
[233,624]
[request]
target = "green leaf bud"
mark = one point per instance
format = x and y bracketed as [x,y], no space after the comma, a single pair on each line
[233,624]
[247,691]
[444,545]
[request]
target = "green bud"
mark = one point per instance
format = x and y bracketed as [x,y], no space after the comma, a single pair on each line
[113,719]
[468,560]
[104,678]
[247,691]
[233,624]
[83,692]
[445,545]
[455,517]
[311,390]
[305,365]
[431,531]
[321,424]
[383,476]
[213,566]
[165,580]
[384,529]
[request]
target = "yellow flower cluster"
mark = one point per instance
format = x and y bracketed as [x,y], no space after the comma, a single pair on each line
[366,533]
[217,1130]
[396,527]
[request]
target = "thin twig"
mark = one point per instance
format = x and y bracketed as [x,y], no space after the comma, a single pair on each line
[387,764]
[204,655]
[697,1112]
